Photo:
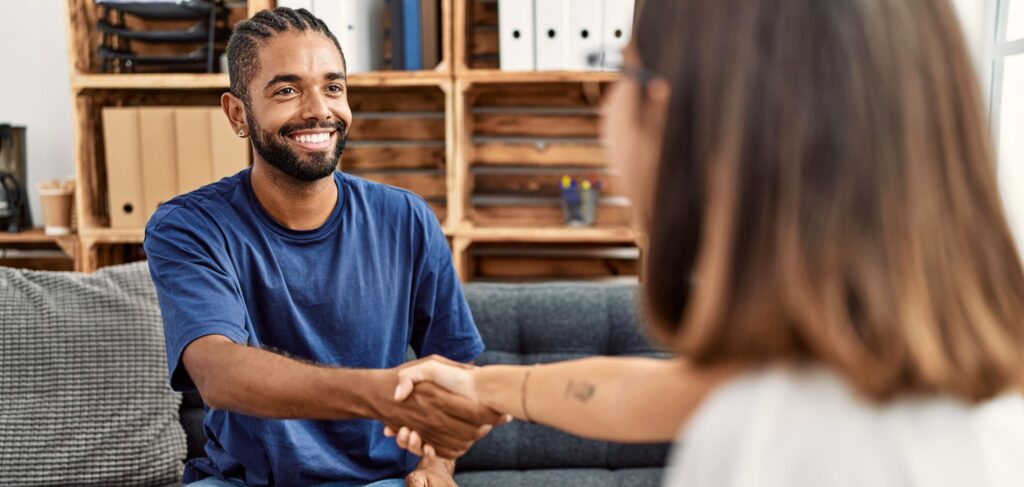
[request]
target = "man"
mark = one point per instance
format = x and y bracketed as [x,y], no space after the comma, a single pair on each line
[290,292]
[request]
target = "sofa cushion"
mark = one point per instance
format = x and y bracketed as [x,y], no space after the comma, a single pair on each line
[540,323]
[84,398]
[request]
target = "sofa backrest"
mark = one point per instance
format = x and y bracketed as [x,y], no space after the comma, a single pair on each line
[524,324]
[527,324]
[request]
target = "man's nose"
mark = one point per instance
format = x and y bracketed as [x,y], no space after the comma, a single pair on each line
[315,107]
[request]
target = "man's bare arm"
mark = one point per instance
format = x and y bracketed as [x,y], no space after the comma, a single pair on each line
[261,383]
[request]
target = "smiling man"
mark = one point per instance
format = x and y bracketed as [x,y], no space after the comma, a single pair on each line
[290,291]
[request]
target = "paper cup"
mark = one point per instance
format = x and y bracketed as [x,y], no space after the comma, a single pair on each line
[56,210]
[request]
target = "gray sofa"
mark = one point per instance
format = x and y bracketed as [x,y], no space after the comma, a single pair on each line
[521,324]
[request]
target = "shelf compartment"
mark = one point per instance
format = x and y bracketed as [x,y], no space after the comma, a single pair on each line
[399,137]
[511,262]
[85,35]
[519,140]
[476,50]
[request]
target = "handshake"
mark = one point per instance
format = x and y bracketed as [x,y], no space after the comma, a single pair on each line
[436,411]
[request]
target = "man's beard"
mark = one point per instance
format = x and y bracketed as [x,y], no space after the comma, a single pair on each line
[278,154]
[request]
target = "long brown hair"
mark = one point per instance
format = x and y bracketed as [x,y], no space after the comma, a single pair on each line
[827,191]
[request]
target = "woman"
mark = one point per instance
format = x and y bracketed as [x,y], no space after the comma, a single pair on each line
[828,252]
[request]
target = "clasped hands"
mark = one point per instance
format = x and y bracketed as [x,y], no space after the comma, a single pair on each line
[436,411]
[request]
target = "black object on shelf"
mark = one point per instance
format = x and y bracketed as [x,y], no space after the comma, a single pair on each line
[191,62]
[199,32]
[210,28]
[163,9]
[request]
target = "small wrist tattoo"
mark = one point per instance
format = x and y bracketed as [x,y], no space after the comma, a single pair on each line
[581,391]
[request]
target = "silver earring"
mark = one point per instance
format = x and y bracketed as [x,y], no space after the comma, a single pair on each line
[241,132]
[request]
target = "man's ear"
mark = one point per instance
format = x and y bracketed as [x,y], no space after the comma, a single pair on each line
[235,111]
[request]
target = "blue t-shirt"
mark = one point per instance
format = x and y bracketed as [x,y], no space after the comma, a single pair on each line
[376,278]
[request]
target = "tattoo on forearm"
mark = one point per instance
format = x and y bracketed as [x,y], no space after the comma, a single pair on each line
[581,391]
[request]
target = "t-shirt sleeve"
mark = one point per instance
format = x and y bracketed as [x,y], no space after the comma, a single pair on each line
[197,289]
[442,321]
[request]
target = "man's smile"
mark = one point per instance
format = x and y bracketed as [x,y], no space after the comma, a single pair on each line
[313,139]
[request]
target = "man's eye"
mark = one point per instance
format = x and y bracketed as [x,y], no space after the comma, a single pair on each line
[286,91]
[335,89]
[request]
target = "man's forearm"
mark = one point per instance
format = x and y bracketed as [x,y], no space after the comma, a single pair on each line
[260,383]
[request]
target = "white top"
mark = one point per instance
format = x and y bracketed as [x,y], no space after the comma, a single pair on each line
[792,427]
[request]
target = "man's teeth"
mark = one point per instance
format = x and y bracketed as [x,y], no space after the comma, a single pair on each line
[313,138]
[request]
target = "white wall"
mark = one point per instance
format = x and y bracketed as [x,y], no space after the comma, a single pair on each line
[35,89]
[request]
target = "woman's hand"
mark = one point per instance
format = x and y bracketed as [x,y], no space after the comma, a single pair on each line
[458,380]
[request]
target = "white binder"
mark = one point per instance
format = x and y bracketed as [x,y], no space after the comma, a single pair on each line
[361,34]
[515,35]
[551,31]
[584,35]
[617,26]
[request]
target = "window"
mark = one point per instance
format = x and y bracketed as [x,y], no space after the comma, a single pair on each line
[1007,108]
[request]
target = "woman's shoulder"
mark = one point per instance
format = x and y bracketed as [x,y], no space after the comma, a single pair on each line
[800,425]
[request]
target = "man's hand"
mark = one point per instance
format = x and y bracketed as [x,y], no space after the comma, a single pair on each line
[428,375]
[432,473]
[449,423]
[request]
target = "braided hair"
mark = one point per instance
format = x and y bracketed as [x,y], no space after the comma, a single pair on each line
[249,35]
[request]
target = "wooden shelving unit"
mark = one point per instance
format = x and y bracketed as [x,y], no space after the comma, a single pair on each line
[469,138]
[34,240]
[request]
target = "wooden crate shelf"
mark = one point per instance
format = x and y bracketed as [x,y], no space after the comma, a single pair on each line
[34,249]
[467,137]
[516,261]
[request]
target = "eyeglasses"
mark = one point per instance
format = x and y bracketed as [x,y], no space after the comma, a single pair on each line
[640,74]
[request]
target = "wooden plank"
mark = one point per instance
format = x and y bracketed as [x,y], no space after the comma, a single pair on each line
[461,126]
[427,185]
[540,94]
[83,35]
[538,184]
[447,41]
[29,236]
[549,154]
[542,216]
[550,234]
[397,129]
[440,211]
[482,76]
[425,99]
[484,43]
[460,35]
[398,157]
[527,266]
[91,177]
[150,81]
[495,124]
[490,63]
[485,12]
[39,263]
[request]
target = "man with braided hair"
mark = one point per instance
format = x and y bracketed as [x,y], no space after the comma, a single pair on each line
[290,292]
